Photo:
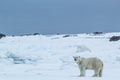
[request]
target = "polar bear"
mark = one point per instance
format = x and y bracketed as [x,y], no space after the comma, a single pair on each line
[92,63]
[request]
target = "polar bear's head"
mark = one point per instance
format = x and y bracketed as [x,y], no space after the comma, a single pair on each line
[77,59]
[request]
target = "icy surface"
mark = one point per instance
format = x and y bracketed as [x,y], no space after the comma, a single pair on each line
[50,57]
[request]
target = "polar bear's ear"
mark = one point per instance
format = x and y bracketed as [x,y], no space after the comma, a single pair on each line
[74,57]
[79,56]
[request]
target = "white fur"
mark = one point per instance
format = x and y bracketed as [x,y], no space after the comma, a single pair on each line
[89,63]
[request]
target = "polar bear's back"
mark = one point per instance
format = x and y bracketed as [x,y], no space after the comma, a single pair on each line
[92,63]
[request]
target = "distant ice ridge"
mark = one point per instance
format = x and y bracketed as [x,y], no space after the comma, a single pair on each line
[38,48]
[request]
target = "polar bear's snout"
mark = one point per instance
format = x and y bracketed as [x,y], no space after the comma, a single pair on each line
[75,59]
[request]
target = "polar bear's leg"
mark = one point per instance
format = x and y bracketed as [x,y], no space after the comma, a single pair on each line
[96,73]
[82,72]
[100,73]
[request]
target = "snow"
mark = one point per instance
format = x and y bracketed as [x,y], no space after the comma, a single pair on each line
[50,57]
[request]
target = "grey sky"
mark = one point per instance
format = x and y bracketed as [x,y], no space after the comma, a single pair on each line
[59,16]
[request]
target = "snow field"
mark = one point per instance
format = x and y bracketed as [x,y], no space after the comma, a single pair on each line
[51,57]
